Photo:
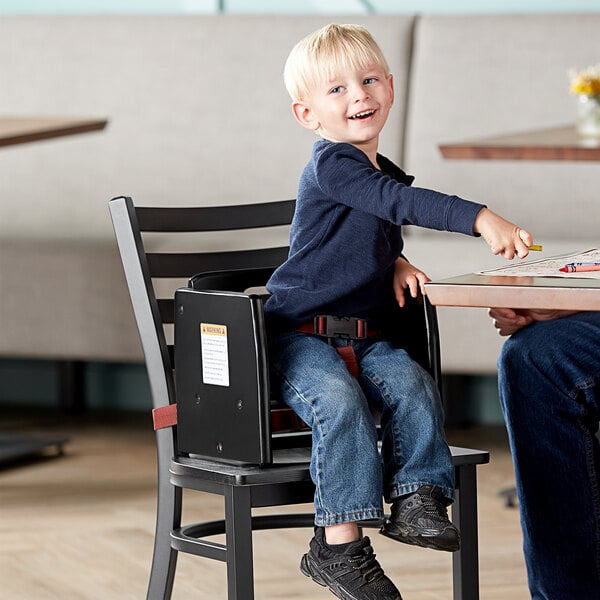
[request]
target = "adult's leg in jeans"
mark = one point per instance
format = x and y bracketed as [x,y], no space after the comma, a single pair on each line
[549,375]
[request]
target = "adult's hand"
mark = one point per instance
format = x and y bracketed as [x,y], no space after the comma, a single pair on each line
[509,320]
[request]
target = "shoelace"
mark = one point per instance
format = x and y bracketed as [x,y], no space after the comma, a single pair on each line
[367,564]
[433,508]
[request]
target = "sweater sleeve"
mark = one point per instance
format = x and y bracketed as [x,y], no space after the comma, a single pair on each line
[346,175]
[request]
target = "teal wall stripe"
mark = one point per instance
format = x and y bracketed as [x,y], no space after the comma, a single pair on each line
[293,6]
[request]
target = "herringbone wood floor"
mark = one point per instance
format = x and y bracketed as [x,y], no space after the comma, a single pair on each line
[80,526]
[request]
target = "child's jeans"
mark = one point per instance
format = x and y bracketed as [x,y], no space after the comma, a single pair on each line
[346,466]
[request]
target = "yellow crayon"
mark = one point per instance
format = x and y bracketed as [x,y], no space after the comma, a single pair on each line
[536,247]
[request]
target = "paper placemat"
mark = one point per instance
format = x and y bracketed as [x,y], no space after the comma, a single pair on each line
[549,267]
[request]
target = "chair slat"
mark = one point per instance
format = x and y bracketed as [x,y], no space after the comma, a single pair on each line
[187,265]
[215,218]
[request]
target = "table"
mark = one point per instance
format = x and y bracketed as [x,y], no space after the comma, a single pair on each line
[558,143]
[21,130]
[515,292]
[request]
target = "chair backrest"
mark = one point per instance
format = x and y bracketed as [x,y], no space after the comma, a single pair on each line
[160,253]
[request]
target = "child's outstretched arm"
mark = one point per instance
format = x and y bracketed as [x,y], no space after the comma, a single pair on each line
[503,237]
[408,276]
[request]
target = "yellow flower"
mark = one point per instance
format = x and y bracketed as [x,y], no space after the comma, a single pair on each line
[586,82]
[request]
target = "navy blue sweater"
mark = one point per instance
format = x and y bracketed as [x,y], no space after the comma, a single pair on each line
[346,235]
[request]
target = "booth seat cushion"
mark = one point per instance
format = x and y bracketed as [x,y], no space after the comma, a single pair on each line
[198,114]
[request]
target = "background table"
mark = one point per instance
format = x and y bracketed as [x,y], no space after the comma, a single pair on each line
[558,143]
[21,130]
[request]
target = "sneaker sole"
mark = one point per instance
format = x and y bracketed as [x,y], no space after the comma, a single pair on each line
[414,539]
[310,570]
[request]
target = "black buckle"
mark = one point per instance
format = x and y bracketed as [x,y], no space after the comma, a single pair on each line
[351,328]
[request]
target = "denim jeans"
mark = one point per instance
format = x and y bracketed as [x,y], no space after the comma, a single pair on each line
[349,474]
[549,374]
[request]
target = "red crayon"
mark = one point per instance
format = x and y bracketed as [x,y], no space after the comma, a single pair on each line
[579,269]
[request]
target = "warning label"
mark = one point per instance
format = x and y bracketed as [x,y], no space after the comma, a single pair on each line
[215,357]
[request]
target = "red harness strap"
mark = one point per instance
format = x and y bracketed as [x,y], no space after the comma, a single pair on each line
[349,357]
[164,416]
[349,328]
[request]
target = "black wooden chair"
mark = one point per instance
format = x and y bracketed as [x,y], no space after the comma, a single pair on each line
[232,450]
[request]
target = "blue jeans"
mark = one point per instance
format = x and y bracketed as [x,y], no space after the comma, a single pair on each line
[349,474]
[548,378]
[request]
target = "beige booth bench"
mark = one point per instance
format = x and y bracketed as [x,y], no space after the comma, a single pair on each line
[198,115]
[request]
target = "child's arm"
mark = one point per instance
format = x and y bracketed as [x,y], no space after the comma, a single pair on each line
[502,236]
[408,276]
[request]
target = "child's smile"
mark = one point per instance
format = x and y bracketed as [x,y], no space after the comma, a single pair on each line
[365,114]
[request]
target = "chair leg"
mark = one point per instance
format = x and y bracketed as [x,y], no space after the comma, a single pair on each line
[238,539]
[465,562]
[168,517]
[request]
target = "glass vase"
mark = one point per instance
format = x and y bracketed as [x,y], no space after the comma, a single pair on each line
[588,115]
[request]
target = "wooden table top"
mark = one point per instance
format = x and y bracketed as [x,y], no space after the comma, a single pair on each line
[559,143]
[515,292]
[20,130]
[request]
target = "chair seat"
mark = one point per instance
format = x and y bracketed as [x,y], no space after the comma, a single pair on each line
[286,481]
[290,465]
[469,456]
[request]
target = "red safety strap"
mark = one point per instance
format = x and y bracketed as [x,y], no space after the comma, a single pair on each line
[353,329]
[164,416]
[349,357]
[283,419]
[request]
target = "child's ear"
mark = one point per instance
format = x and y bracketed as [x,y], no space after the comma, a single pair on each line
[305,116]
[391,85]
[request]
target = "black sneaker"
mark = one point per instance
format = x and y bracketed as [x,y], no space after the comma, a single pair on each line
[421,519]
[353,575]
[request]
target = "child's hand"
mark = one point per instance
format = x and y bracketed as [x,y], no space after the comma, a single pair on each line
[408,276]
[502,236]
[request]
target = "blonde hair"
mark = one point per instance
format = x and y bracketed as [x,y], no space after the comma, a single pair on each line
[326,52]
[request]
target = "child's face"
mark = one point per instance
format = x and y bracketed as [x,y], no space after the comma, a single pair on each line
[351,107]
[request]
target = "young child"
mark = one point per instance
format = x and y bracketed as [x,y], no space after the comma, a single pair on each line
[345,261]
